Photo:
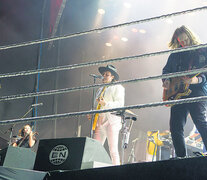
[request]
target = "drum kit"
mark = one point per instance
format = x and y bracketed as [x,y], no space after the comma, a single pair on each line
[158,142]
[164,141]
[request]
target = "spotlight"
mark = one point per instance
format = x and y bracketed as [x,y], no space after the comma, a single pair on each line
[169,21]
[108,44]
[124,39]
[142,31]
[127,5]
[101,11]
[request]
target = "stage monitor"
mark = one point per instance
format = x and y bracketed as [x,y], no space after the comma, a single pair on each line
[17,157]
[69,153]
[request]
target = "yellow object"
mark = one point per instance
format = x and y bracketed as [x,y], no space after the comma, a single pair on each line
[98,107]
[152,145]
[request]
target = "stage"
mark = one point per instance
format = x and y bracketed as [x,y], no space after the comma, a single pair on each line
[182,169]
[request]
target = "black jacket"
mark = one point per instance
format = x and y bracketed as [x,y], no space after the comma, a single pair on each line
[189,60]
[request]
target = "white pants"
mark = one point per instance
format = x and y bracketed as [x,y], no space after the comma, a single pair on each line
[111,132]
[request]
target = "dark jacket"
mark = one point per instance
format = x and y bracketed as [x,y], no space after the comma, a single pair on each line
[189,60]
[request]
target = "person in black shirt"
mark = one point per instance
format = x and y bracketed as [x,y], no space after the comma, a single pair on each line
[197,86]
[27,139]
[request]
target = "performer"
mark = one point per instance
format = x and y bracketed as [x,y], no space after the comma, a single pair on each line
[27,139]
[109,125]
[196,138]
[184,61]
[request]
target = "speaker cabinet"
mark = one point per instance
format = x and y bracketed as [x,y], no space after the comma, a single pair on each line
[17,157]
[69,153]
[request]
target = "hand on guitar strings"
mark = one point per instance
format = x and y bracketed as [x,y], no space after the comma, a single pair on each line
[166,84]
[101,101]
[188,80]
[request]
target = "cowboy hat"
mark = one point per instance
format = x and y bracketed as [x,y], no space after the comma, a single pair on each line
[111,69]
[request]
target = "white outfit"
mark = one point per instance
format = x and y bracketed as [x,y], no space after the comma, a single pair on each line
[109,125]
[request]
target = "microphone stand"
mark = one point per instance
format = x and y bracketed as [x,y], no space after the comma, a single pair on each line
[132,157]
[125,132]
[12,127]
[125,135]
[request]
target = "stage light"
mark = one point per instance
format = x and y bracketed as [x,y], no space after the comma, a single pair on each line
[142,31]
[169,21]
[127,5]
[108,44]
[124,39]
[101,11]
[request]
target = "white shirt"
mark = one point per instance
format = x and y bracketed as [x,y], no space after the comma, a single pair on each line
[114,97]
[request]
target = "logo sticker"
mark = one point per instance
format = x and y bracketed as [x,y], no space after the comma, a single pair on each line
[58,155]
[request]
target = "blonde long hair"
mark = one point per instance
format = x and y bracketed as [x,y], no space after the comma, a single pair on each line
[194,40]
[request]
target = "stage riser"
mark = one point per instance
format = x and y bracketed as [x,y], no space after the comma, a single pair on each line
[184,169]
[17,157]
[7,173]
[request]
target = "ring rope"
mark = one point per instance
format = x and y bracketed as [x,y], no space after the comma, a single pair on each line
[98,62]
[66,90]
[101,29]
[139,106]
[133,57]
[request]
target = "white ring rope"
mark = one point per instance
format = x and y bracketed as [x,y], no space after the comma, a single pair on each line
[55,116]
[66,115]
[101,29]
[98,62]
[66,90]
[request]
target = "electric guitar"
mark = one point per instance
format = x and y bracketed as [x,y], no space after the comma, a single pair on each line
[178,88]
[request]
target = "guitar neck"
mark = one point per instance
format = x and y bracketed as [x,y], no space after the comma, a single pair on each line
[199,73]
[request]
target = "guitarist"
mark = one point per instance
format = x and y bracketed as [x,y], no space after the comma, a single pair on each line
[109,125]
[184,61]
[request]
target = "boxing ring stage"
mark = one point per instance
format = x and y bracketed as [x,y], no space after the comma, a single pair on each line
[137,168]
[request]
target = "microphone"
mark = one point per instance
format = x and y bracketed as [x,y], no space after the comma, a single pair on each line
[96,76]
[35,105]
[132,118]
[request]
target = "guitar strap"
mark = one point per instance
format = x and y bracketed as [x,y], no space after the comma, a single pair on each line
[97,108]
[190,64]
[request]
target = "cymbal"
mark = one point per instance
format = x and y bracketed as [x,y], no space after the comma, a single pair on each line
[165,133]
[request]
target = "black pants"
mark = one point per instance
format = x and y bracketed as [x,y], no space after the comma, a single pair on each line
[178,120]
